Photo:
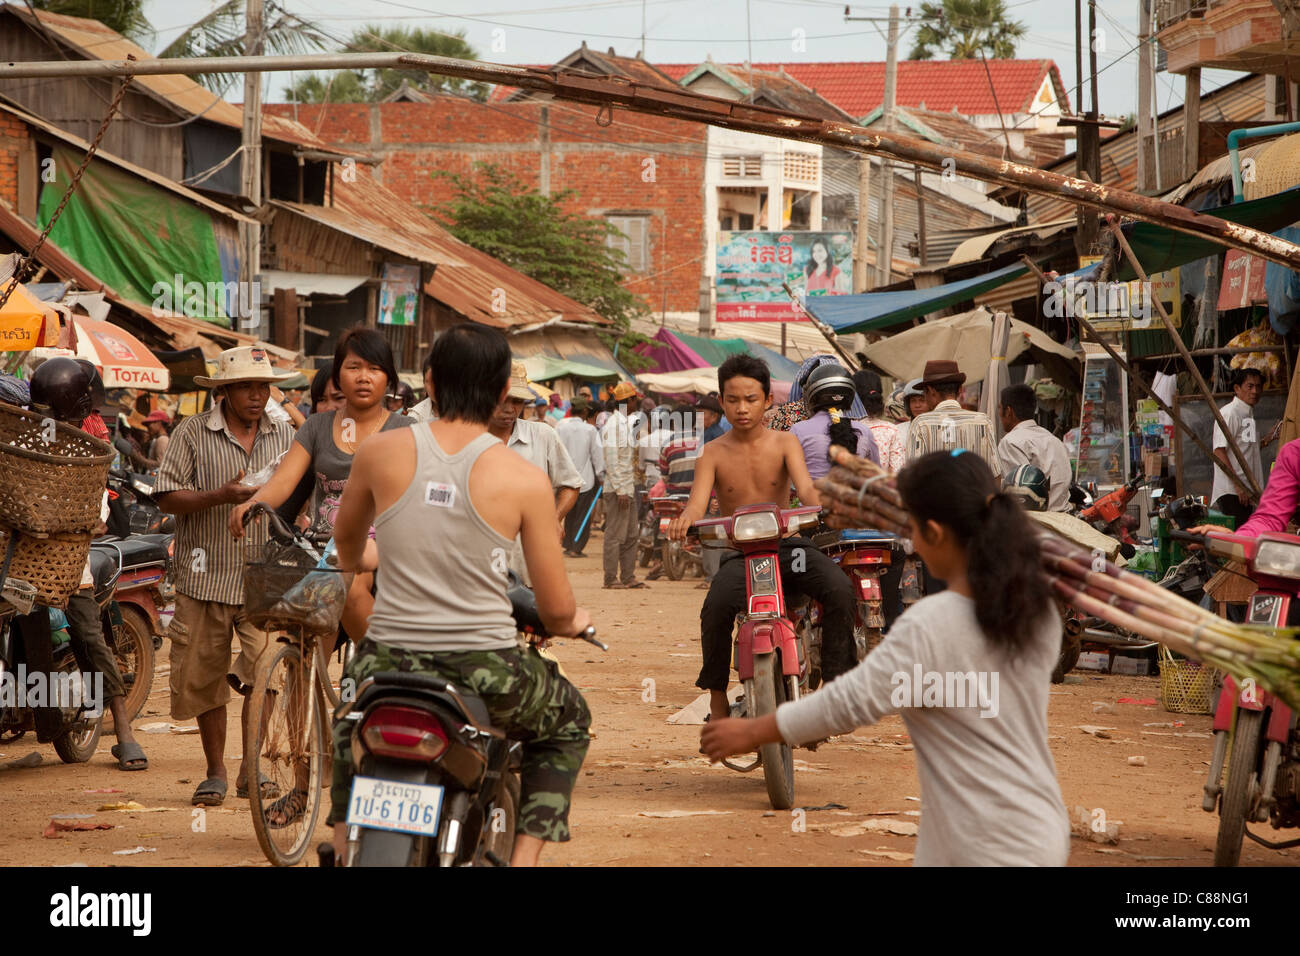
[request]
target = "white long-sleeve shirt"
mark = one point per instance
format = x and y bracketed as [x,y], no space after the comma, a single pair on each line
[620,447]
[988,782]
[582,442]
[1029,443]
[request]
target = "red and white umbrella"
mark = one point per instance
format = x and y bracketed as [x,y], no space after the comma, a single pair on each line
[123,360]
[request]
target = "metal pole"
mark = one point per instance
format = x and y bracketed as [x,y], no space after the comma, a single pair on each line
[251,173]
[684,105]
[1137,379]
[1118,233]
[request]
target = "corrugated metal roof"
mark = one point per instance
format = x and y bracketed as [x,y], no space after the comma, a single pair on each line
[977,247]
[467,280]
[94,41]
[100,155]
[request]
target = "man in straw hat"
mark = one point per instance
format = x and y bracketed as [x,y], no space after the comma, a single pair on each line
[619,446]
[947,425]
[199,481]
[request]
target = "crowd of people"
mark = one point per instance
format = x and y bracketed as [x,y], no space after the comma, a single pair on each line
[518,486]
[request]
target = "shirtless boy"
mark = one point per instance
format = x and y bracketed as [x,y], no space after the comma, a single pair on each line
[752,464]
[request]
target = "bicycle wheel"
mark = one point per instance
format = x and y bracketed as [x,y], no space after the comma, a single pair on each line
[285,743]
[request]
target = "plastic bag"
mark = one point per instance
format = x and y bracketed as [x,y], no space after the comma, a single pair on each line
[262,475]
[317,600]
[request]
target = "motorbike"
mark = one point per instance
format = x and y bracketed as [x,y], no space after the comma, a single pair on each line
[132,508]
[1109,514]
[81,726]
[1263,783]
[434,784]
[132,620]
[865,556]
[678,556]
[771,657]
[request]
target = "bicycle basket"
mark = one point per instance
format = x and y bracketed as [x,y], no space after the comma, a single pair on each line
[285,590]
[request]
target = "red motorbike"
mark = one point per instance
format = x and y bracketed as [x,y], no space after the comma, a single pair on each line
[1109,515]
[866,557]
[770,657]
[1263,782]
[678,556]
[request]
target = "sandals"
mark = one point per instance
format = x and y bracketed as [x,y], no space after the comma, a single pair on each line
[289,808]
[210,793]
[130,756]
[636,584]
[269,788]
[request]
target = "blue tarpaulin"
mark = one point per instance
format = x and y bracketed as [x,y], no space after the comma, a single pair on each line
[874,310]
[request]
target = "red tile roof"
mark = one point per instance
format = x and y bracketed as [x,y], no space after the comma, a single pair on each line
[943,85]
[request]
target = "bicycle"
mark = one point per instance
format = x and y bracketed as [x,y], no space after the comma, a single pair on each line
[287,739]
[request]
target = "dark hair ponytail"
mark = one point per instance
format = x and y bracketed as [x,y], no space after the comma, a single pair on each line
[841,430]
[1004,567]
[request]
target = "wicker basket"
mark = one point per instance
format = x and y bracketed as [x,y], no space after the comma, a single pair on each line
[1186,686]
[52,476]
[52,564]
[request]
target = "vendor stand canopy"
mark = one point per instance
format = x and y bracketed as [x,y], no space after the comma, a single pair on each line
[967,339]
[547,368]
[678,352]
[697,381]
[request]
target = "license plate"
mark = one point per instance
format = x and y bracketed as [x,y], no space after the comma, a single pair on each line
[392,805]
[663,525]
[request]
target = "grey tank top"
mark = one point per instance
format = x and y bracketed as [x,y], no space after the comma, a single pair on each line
[442,568]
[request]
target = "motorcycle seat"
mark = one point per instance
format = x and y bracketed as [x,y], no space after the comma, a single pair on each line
[470,706]
[104,571]
[141,549]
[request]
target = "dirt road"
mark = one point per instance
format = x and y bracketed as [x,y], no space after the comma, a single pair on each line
[640,764]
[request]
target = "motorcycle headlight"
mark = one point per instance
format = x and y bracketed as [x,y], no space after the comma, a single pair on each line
[1278,558]
[759,526]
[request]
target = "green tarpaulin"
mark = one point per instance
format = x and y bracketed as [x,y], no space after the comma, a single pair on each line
[1159,249]
[547,368]
[134,235]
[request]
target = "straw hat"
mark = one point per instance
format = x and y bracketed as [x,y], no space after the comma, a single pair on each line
[519,382]
[247,363]
[624,390]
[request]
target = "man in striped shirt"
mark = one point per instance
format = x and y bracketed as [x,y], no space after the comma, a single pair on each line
[199,481]
[947,425]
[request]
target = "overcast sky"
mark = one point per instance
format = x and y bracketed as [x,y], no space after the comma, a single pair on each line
[677,31]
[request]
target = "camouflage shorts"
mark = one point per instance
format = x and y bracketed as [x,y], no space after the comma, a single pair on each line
[526,698]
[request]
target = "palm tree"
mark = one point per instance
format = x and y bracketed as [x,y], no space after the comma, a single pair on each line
[351,86]
[966,28]
[219,33]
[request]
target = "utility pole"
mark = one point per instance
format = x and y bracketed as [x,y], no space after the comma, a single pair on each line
[862,239]
[1146,80]
[1087,148]
[885,250]
[251,175]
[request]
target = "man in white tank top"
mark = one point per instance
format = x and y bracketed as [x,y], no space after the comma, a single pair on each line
[447,500]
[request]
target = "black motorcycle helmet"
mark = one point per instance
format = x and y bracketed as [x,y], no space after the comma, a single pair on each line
[829,386]
[61,388]
[96,383]
[1032,486]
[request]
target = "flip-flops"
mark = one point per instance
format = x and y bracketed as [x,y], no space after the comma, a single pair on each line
[210,793]
[130,756]
[636,584]
[269,788]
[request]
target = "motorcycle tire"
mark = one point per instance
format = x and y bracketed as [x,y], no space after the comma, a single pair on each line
[389,848]
[644,554]
[499,838]
[1243,780]
[78,742]
[674,560]
[766,691]
[1070,648]
[133,649]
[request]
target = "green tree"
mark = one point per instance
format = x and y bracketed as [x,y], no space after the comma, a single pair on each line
[534,234]
[219,33]
[351,86]
[964,29]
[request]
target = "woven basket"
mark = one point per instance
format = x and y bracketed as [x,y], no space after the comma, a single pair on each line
[1186,686]
[52,476]
[52,564]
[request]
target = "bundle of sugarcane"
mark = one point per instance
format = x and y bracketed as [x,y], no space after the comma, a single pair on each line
[858,493]
[1086,580]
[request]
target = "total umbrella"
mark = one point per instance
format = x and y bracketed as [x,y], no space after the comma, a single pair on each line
[123,360]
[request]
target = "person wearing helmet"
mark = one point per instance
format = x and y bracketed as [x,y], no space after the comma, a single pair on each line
[1026,442]
[914,403]
[829,394]
[1030,485]
[63,388]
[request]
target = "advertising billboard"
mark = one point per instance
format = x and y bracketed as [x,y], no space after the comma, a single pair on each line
[751,267]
